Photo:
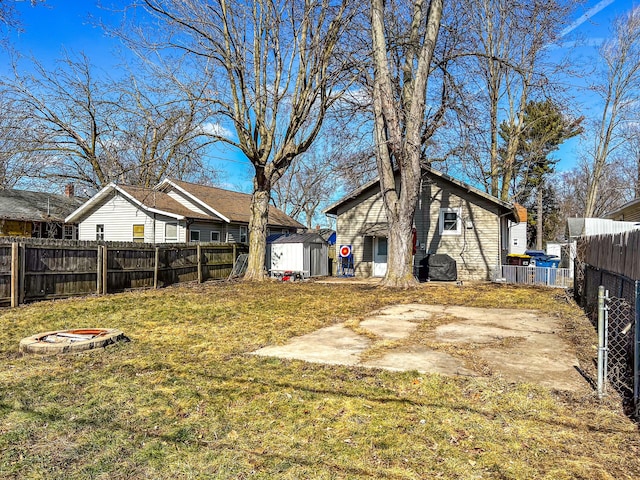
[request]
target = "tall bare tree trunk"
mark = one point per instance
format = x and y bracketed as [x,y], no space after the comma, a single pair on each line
[399,122]
[257,231]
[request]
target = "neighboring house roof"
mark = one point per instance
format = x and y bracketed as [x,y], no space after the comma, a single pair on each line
[328,234]
[145,198]
[507,207]
[234,206]
[305,238]
[224,205]
[629,208]
[161,202]
[36,206]
[577,227]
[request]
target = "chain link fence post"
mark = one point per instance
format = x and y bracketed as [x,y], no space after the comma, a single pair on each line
[602,342]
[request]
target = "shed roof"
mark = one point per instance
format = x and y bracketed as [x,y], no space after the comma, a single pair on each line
[36,206]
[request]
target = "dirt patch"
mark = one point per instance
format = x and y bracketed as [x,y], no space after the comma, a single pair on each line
[517,345]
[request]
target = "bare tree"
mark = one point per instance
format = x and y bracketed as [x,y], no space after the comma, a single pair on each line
[89,129]
[507,57]
[619,88]
[401,74]
[572,188]
[279,67]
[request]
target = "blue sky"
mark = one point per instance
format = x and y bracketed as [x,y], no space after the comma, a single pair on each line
[70,25]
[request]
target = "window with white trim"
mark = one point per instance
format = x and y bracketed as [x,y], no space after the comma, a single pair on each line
[450,221]
[215,236]
[99,232]
[243,234]
[194,235]
[68,232]
[138,233]
[170,232]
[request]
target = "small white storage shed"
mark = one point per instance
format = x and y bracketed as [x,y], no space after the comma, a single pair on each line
[303,253]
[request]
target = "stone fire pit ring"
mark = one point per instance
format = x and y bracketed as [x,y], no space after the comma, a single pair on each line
[70,341]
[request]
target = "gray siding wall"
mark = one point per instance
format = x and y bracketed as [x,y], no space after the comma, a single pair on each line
[476,249]
[205,230]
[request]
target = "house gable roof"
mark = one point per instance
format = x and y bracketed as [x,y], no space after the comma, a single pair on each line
[374,184]
[224,205]
[146,199]
[234,206]
[30,206]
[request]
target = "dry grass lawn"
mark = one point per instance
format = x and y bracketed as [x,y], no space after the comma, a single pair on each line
[183,401]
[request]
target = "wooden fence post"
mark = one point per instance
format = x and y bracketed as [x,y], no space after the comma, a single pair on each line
[99,286]
[156,267]
[15,298]
[199,255]
[105,272]
[22,272]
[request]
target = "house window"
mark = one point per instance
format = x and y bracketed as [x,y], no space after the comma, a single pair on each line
[194,235]
[36,230]
[170,232]
[243,234]
[99,232]
[68,232]
[450,221]
[138,233]
[215,236]
[382,247]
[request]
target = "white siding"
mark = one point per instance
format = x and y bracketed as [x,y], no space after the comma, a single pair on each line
[288,256]
[119,215]
[517,237]
[184,201]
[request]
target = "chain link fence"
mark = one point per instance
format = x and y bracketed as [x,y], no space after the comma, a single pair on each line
[621,323]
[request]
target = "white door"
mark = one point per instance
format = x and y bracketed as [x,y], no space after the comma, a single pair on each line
[379,256]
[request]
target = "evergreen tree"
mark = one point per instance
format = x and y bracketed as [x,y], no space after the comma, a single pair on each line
[546,127]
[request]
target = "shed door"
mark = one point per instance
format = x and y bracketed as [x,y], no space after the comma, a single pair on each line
[318,265]
[379,256]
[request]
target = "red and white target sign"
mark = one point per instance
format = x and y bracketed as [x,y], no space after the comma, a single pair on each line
[345,251]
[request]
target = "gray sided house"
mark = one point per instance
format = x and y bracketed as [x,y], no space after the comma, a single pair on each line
[173,211]
[452,218]
[37,214]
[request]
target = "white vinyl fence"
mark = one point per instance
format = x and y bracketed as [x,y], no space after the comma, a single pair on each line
[545,276]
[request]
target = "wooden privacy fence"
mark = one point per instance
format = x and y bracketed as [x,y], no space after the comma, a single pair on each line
[42,270]
[618,253]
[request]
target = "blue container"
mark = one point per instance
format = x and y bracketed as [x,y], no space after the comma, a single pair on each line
[547,261]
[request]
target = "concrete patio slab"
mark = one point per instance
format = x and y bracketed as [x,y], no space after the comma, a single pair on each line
[518,345]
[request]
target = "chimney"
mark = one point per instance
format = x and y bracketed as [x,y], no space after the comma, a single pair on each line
[68,190]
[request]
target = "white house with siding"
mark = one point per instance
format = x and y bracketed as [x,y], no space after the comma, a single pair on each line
[173,211]
[452,218]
